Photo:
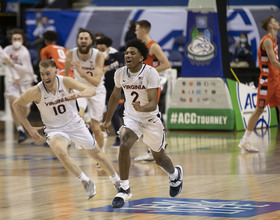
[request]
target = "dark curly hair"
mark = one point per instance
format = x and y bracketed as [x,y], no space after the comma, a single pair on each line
[140,45]
[104,40]
[50,36]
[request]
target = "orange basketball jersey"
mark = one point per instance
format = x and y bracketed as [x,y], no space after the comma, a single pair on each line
[58,54]
[151,60]
[268,88]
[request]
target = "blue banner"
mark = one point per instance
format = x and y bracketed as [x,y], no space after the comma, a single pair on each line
[202,53]
[62,20]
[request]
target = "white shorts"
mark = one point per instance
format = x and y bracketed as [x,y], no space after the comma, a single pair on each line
[13,90]
[75,131]
[152,131]
[95,104]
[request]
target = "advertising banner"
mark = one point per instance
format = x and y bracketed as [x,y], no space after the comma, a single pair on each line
[200,119]
[244,100]
[202,54]
[201,104]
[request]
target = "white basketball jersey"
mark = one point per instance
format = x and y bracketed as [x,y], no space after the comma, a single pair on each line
[135,86]
[88,66]
[22,61]
[56,110]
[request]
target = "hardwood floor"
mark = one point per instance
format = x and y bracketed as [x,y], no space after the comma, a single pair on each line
[220,181]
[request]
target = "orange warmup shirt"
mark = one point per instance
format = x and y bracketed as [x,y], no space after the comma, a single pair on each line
[58,54]
[152,61]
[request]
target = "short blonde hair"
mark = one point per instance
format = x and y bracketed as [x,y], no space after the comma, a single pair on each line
[47,63]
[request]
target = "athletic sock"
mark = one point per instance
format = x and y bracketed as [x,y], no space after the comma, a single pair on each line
[125,184]
[174,175]
[115,178]
[83,177]
[20,128]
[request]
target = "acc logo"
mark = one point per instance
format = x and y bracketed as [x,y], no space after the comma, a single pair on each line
[247,100]
[200,50]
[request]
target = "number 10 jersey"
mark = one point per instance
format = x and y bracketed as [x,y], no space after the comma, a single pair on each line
[56,110]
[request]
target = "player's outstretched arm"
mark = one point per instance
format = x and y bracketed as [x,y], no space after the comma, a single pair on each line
[84,90]
[31,95]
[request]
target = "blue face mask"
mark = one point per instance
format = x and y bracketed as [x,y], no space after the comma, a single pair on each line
[243,40]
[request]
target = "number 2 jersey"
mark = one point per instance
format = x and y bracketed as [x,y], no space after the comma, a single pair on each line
[135,86]
[56,110]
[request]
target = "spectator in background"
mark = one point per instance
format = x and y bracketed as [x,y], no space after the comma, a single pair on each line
[157,59]
[242,56]
[101,35]
[130,34]
[112,62]
[55,52]
[42,27]
[18,59]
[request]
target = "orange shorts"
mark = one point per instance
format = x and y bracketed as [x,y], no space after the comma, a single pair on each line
[268,92]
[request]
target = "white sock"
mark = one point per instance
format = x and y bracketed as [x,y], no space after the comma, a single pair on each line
[174,175]
[125,184]
[246,136]
[115,178]
[102,149]
[83,177]
[20,128]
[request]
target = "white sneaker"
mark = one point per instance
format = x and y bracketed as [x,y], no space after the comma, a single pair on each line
[145,157]
[247,147]
[90,188]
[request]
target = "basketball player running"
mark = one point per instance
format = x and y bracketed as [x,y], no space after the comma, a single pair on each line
[140,83]
[55,52]
[269,80]
[156,58]
[57,105]
[88,65]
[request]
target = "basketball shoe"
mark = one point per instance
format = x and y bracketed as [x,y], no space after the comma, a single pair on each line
[90,188]
[247,147]
[177,184]
[121,197]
